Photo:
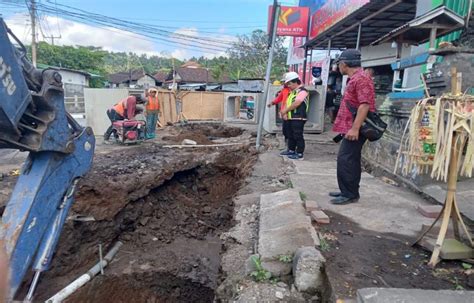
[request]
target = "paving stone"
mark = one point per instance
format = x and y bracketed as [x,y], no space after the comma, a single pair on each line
[308,266]
[390,295]
[429,211]
[281,197]
[284,241]
[282,215]
[311,206]
[320,217]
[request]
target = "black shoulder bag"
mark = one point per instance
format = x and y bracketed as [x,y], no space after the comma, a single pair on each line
[373,127]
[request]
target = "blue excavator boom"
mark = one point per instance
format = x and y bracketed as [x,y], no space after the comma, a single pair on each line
[33,118]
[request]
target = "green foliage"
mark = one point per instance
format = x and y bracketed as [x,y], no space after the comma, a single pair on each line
[466,266]
[303,196]
[260,274]
[286,258]
[249,56]
[324,244]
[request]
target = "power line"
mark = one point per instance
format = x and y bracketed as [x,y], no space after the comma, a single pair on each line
[141,29]
[120,22]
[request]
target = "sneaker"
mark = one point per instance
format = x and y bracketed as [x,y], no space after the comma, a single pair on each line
[341,200]
[296,156]
[287,153]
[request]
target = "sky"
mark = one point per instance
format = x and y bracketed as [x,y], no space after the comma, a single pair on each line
[216,21]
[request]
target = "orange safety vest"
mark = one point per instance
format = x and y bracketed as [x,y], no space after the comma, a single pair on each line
[121,107]
[153,104]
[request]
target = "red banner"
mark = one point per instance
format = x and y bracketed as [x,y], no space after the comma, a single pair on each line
[293,21]
[331,13]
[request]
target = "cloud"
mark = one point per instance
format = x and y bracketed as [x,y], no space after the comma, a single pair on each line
[75,33]
[111,39]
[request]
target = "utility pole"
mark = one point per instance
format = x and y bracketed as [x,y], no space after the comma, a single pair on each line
[33,31]
[52,38]
[263,102]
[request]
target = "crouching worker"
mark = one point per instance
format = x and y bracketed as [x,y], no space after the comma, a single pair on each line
[152,112]
[125,109]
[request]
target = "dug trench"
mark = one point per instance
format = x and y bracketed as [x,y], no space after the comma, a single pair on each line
[168,207]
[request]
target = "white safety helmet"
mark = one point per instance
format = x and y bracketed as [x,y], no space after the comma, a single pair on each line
[291,76]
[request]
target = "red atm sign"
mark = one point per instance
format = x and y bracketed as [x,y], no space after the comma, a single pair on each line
[293,21]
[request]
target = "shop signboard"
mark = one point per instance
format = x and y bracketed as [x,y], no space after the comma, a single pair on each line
[293,21]
[331,13]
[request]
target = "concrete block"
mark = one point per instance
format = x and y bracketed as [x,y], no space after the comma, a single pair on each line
[320,217]
[283,241]
[429,211]
[282,215]
[452,249]
[281,197]
[308,266]
[390,295]
[311,206]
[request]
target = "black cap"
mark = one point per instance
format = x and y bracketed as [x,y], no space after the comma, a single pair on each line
[351,55]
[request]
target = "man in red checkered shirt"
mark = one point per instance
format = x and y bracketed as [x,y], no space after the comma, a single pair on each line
[358,100]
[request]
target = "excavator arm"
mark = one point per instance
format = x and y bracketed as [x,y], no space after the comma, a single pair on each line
[33,118]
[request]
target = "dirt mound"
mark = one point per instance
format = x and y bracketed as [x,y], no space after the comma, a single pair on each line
[203,133]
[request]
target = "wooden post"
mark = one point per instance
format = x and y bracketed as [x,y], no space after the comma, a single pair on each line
[448,204]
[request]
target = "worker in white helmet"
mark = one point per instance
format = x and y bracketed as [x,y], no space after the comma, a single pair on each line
[295,112]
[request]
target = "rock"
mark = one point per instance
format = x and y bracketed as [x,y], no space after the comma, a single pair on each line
[188,142]
[308,265]
[279,295]
[282,285]
[206,209]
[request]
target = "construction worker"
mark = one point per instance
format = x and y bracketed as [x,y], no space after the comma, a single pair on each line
[281,98]
[152,112]
[295,113]
[125,109]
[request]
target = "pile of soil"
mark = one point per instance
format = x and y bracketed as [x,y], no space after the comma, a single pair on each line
[168,209]
[203,133]
[358,258]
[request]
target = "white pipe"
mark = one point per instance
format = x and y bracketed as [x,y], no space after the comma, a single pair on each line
[203,145]
[79,282]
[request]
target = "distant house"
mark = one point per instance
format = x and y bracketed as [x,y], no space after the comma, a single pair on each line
[191,75]
[132,79]
[74,82]
[161,76]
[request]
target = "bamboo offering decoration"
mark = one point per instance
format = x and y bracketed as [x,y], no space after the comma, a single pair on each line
[441,139]
[436,127]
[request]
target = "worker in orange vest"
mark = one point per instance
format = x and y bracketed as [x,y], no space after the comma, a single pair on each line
[152,112]
[125,109]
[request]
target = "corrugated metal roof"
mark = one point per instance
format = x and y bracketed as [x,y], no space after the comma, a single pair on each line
[416,31]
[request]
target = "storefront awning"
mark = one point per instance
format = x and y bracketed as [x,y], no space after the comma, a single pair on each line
[378,17]
[418,31]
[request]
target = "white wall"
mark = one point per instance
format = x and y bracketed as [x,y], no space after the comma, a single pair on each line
[73,78]
[146,82]
[382,54]
[97,102]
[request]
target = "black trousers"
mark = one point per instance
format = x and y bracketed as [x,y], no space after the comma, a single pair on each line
[296,136]
[286,130]
[113,116]
[349,167]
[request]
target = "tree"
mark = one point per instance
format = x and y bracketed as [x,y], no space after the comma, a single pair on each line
[249,55]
